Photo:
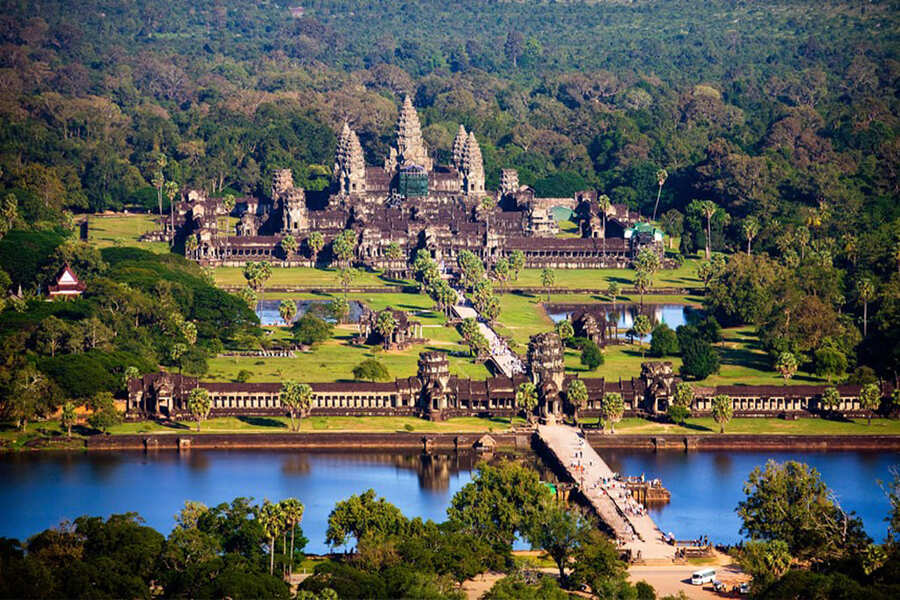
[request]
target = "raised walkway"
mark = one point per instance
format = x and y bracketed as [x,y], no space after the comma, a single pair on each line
[506,360]
[632,527]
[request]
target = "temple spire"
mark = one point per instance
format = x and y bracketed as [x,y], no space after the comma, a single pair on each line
[410,148]
[349,163]
[459,148]
[472,167]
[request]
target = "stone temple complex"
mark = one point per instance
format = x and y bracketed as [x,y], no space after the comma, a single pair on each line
[410,203]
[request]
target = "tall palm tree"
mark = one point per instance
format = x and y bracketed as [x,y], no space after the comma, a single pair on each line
[271,521]
[661,177]
[865,290]
[292,510]
[526,399]
[386,324]
[750,227]
[604,203]
[708,209]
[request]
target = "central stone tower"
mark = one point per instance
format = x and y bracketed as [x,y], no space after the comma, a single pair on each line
[349,164]
[410,148]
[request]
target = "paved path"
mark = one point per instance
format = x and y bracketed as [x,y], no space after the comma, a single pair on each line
[632,526]
[505,359]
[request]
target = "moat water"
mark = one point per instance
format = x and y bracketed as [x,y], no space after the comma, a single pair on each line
[267,311]
[673,315]
[41,489]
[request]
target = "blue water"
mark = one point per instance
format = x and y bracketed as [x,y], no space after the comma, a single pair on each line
[707,486]
[267,311]
[41,489]
[673,315]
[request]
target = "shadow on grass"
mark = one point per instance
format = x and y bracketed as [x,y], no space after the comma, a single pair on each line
[696,427]
[262,422]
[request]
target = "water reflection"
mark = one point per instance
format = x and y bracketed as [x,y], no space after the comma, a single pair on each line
[41,489]
[673,315]
[267,311]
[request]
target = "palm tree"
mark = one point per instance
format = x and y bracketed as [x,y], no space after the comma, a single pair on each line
[612,408]
[865,290]
[288,310]
[199,404]
[547,279]
[298,399]
[708,209]
[271,522]
[604,203]
[289,245]
[385,324]
[67,417]
[526,399]
[786,365]
[577,395]
[613,290]
[159,179]
[750,227]
[228,203]
[292,510]
[315,242]
[642,326]
[642,282]
[869,399]
[722,411]
[661,177]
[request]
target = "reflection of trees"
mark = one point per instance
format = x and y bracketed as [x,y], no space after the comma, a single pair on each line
[722,463]
[197,461]
[296,464]
[434,471]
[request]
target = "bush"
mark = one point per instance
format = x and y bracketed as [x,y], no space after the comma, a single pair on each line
[591,357]
[310,329]
[699,358]
[664,341]
[243,376]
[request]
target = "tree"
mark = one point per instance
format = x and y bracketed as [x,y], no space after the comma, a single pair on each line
[514,46]
[51,334]
[199,404]
[591,355]
[67,417]
[664,341]
[310,329]
[362,516]
[865,291]
[699,359]
[527,399]
[829,362]
[661,177]
[708,209]
[516,587]
[604,204]
[385,325]
[642,283]
[548,277]
[750,229]
[315,242]
[765,561]
[516,262]
[598,565]
[612,408]
[339,309]
[292,510]
[870,399]
[371,370]
[677,413]
[790,502]
[786,365]
[287,309]
[577,395]
[501,271]
[272,524]
[557,531]
[297,397]
[831,398]
[289,245]
[722,411]
[345,276]
[344,245]
[641,327]
[565,330]
[612,290]
[500,502]
[104,413]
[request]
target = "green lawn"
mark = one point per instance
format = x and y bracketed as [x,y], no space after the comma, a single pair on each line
[686,275]
[305,277]
[805,426]
[123,230]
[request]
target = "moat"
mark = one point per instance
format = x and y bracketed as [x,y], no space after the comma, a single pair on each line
[40,489]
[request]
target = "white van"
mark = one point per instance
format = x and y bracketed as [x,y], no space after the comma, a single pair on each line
[703,576]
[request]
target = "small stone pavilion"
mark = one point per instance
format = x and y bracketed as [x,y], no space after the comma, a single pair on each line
[404,335]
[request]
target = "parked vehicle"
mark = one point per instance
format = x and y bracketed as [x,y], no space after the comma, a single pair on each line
[703,576]
[719,586]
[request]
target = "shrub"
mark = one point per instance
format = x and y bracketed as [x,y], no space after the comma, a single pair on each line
[310,329]
[664,341]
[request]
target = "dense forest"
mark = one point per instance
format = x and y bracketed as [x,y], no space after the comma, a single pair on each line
[783,115]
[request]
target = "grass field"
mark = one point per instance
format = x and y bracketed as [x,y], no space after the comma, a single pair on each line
[304,277]
[706,425]
[686,275]
[123,230]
